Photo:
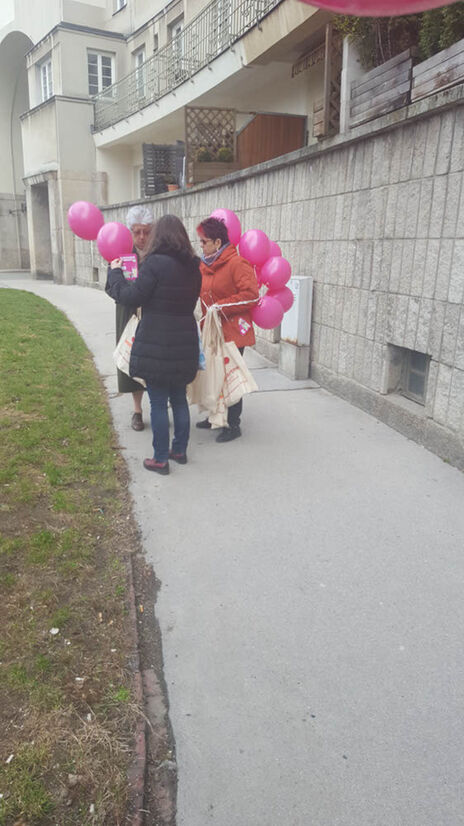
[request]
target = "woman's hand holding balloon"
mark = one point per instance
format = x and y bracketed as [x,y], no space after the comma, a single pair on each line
[116,264]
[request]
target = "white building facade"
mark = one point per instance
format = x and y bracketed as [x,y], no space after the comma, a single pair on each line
[86,84]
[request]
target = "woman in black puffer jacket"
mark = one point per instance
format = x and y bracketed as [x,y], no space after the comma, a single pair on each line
[165,350]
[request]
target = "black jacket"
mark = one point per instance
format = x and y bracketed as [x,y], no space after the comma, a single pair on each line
[165,349]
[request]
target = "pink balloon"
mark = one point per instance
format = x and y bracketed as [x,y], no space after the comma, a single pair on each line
[268,312]
[377,8]
[114,240]
[254,246]
[275,251]
[284,296]
[85,220]
[275,273]
[232,223]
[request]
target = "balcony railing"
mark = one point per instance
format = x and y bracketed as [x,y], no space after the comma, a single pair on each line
[210,33]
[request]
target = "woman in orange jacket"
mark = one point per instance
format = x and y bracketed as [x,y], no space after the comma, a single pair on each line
[229,282]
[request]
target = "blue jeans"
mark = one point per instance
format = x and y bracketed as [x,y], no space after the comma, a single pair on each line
[159,397]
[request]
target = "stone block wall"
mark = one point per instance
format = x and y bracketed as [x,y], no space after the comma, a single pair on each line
[376,217]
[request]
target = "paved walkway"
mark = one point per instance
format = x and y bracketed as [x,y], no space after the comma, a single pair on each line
[311,607]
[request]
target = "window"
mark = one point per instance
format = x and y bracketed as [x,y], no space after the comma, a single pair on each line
[408,373]
[176,37]
[46,80]
[140,73]
[220,35]
[177,42]
[100,71]
[415,370]
[177,28]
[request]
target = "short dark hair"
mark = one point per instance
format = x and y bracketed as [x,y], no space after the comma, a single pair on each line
[214,228]
[168,235]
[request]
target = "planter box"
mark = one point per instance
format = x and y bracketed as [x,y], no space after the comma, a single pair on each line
[205,171]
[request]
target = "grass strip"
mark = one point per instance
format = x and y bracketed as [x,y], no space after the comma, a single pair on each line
[67,714]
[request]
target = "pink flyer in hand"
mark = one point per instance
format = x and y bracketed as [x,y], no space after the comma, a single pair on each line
[129,267]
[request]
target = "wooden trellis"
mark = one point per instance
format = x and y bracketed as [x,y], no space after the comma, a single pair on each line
[208,129]
[327,111]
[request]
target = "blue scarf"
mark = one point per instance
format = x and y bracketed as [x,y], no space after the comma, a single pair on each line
[210,259]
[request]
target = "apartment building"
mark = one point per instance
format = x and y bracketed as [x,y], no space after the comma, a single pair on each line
[85,84]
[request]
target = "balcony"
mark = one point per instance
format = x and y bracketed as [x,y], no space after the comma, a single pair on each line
[219,25]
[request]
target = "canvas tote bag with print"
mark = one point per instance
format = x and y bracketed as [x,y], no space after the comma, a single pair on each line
[238,380]
[122,353]
[226,378]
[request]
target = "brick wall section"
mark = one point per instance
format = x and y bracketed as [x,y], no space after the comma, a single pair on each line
[377,218]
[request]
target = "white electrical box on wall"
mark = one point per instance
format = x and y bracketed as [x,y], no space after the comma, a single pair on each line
[296,323]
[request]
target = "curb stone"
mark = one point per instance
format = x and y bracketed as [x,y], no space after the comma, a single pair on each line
[137,771]
[152,776]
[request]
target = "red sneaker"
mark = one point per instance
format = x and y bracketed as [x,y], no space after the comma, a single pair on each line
[157,467]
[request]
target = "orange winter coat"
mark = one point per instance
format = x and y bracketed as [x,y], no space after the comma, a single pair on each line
[228,280]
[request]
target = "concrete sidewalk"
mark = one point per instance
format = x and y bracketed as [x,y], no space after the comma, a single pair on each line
[310,606]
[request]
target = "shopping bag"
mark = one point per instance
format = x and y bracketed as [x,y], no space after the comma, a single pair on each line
[226,377]
[218,417]
[122,353]
[237,378]
[237,382]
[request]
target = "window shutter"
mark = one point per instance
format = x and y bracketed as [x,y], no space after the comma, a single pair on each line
[162,164]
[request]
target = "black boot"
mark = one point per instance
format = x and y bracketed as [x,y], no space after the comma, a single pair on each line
[204,425]
[228,434]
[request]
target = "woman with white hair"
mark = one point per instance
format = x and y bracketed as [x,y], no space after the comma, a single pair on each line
[139,219]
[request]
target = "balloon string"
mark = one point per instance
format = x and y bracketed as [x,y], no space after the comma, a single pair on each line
[219,307]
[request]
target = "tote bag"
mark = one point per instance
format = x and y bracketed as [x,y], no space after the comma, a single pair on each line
[122,353]
[237,378]
[226,378]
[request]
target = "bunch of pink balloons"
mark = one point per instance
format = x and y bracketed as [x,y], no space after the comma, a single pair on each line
[272,271]
[113,239]
[378,8]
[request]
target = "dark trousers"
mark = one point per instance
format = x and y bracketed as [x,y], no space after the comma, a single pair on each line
[159,397]
[235,411]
